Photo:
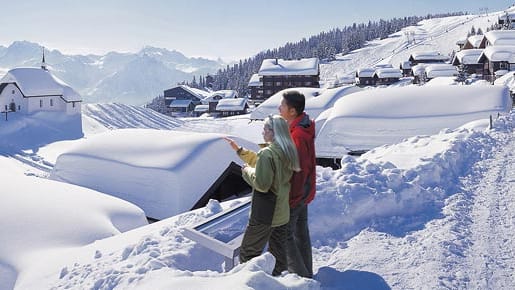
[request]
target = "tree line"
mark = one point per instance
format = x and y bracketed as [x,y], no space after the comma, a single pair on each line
[324,45]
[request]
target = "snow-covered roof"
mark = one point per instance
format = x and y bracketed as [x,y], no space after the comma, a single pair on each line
[506,80]
[221,94]
[418,69]
[196,92]
[374,117]
[427,55]
[461,41]
[500,37]
[405,65]
[201,108]
[317,100]
[467,56]
[237,104]
[498,53]
[365,72]
[278,66]
[388,73]
[164,178]
[475,40]
[255,81]
[440,70]
[180,103]
[39,82]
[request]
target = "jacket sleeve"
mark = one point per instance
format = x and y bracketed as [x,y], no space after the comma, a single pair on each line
[248,156]
[260,177]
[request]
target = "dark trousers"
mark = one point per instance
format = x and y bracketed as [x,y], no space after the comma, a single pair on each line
[299,254]
[254,242]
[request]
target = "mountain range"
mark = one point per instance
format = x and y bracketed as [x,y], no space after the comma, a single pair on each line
[129,78]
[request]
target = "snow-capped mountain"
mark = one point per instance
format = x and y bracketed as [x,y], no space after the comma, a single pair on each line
[131,78]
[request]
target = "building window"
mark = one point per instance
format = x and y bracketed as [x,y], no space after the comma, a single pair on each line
[41,103]
[51,102]
[278,84]
[307,83]
[12,92]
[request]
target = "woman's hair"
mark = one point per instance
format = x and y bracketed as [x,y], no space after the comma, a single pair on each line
[282,136]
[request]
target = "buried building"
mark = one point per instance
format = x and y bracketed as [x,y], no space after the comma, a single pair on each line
[372,118]
[163,172]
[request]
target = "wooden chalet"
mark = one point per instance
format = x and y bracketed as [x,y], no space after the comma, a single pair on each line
[507,21]
[256,89]
[474,42]
[432,71]
[231,107]
[183,99]
[279,74]
[468,59]
[418,73]
[386,76]
[365,76]
[405,67]
[495,58]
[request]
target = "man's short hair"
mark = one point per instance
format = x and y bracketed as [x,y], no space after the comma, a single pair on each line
[295,99]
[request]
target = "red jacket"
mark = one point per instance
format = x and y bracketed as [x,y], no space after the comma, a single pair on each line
[303,183]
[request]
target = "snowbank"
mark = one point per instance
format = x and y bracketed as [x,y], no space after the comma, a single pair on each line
[164,177]
[317,101]
[39,216]
[372,118]
[36,129]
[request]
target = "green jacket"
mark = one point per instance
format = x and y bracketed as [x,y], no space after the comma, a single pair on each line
[268,170]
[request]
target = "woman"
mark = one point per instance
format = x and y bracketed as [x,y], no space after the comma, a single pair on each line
[269,172]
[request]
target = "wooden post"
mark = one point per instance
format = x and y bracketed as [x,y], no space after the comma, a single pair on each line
[491,122]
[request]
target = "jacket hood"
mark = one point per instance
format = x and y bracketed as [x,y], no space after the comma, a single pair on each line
[306,125]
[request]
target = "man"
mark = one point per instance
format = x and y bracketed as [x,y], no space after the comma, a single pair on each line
[302,192]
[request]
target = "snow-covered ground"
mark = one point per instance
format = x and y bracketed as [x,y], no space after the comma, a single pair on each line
[431,212]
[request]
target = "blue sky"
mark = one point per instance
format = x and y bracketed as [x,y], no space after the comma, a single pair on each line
[229,29]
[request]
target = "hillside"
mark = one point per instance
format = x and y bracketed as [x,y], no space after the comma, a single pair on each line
[437,34]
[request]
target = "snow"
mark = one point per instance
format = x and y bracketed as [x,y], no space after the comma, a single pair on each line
[498,53]
[365,72]
[388,73]
[255,81]
[467,56]
[304,66]
[237,104]
[40,217]
[440,70]
[475,40]
[39,82]
[500,37]
[171,171]
[433,211]
[375,117]
[428,55]
[317,101]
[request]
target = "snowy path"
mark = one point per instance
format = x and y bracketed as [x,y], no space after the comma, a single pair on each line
[491,259]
